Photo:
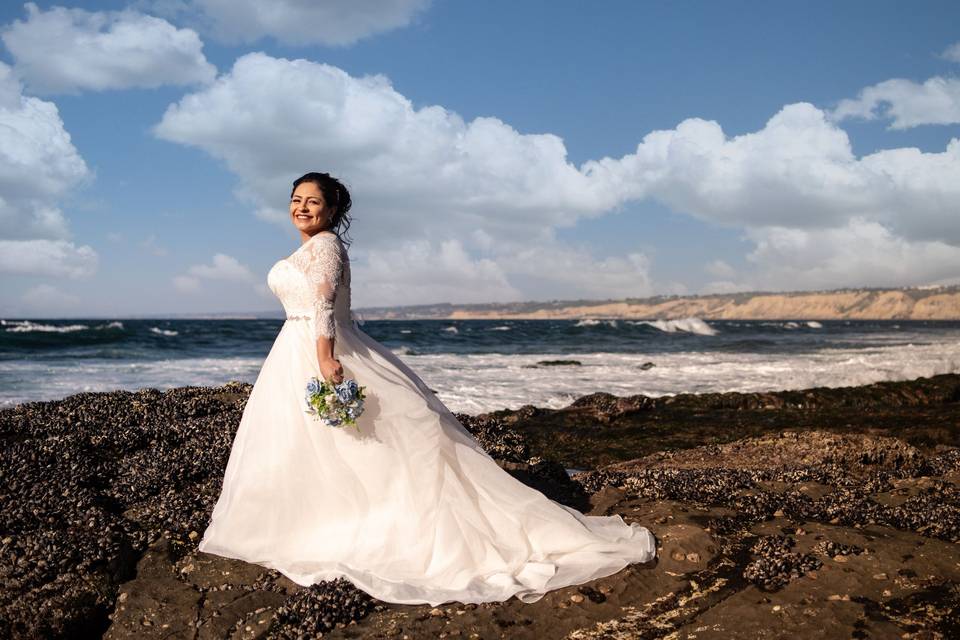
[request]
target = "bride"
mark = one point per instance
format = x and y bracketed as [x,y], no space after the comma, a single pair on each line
[407,506]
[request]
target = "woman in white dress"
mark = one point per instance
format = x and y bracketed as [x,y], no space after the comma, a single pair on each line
[407,505]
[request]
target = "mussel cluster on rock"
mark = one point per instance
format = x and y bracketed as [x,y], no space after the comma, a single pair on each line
[774,565]
[88,483]
[320,608]
[499,441]
[934,513]
[833,549]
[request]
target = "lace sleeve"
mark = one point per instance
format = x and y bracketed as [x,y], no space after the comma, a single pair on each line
[323,265]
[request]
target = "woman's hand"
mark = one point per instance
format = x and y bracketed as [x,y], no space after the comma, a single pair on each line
[331,370]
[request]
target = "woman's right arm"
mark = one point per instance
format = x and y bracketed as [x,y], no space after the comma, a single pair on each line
[330,367]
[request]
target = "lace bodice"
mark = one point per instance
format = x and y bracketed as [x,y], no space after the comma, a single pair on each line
[313,283]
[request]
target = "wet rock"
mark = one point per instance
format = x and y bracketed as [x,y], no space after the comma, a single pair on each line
[320,608]
[104,496]
[774,565]
[559,363]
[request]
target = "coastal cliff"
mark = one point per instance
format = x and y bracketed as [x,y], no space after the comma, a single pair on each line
[925,303]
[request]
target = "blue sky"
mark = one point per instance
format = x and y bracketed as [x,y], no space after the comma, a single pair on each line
[495,151]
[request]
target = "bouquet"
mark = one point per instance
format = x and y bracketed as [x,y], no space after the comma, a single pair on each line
[335,405]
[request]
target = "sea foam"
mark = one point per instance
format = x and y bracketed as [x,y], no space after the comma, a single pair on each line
[27,326]
[687,325]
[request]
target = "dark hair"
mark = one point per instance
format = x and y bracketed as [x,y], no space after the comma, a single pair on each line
[335,195]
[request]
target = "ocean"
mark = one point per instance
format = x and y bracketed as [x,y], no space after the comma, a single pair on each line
[481,365]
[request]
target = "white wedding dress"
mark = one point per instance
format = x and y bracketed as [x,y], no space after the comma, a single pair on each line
[409,507]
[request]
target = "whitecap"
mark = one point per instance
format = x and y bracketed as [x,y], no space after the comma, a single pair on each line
[404,351]
[26,325]
[587,322]
[687,325]
[164,332]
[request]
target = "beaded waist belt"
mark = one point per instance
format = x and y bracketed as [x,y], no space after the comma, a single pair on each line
[353,318]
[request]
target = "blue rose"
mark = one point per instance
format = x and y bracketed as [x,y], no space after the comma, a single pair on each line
[313,386]
[343,392]
[351,384]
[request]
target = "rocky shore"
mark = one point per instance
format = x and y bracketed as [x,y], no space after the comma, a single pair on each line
[825,513]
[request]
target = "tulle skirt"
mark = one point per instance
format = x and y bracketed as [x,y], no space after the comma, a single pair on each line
[408,507]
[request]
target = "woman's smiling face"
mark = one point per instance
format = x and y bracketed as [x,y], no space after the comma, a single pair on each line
[308,209]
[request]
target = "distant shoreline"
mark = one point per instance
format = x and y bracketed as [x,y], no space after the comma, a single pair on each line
[907,303]
[923,303]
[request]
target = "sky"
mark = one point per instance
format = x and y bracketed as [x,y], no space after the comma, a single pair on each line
[495,151]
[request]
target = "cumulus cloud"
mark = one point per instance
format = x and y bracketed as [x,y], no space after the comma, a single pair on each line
[58,258]
[296,22]
[70,50]
[861,253]
[421,272]
[560,271]
[952,53]
[428,175]
[46,298]
[403,163]
[906,103]
[720,269]
[798,171]
[38,166]
[222,268]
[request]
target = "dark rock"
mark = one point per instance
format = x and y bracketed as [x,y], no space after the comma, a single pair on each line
[103,496]
[558,363]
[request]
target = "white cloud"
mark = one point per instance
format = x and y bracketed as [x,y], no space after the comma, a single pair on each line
[222,268]
[720,269]
[38,166]
[427,176]
[186,284]
[402,163]
[70,50]
[725,286]
[150,244]
[906,103]
[799,171]
[57,258]
[293,22]
[47,298]
[861,253]
[952,53]
[419,272]
[560,271]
